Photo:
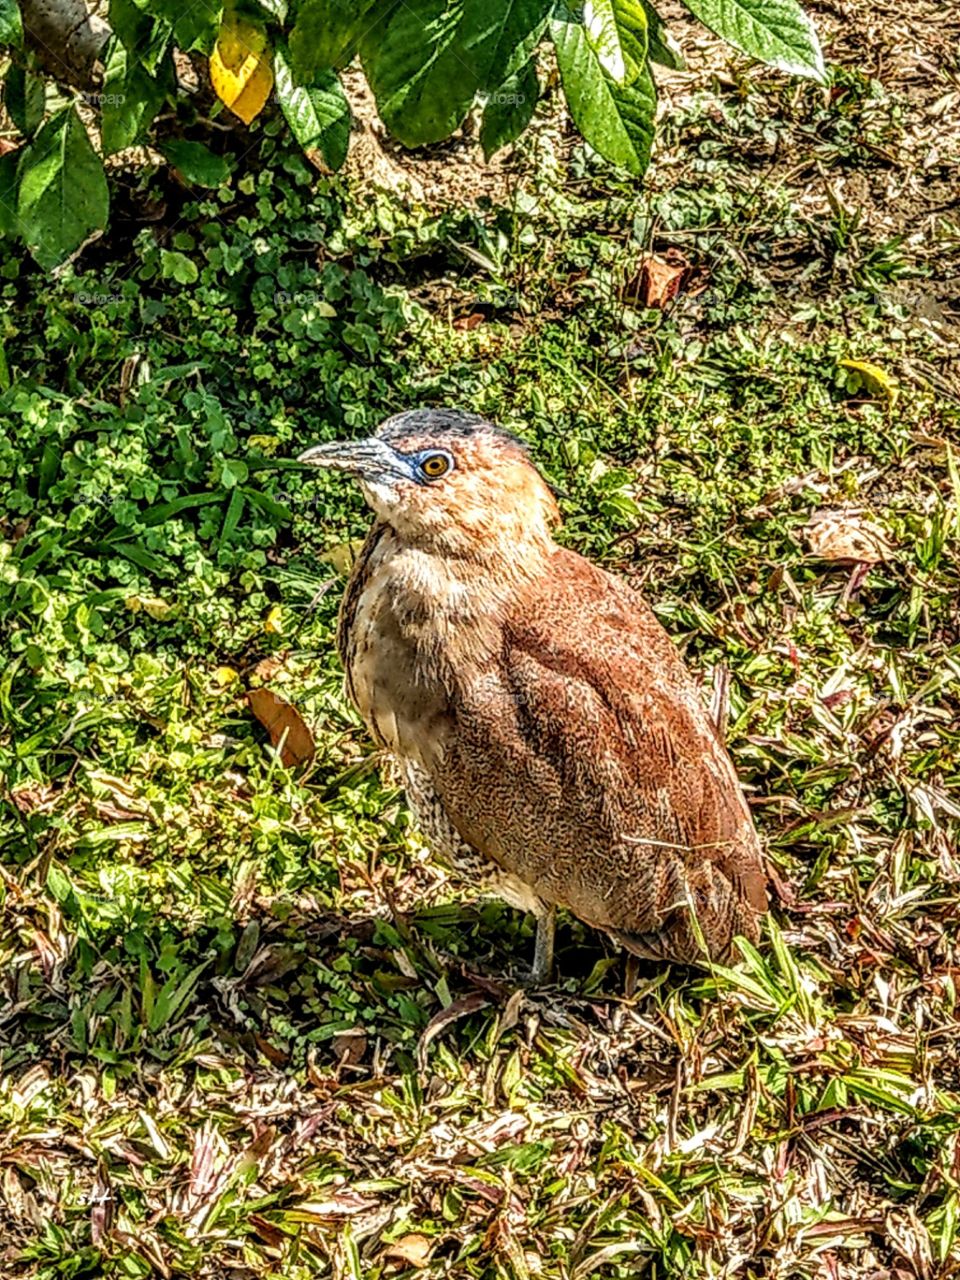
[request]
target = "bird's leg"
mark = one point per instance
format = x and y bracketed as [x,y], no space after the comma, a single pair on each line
[543,951]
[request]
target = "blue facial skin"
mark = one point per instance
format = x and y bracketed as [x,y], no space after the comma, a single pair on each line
[376,461]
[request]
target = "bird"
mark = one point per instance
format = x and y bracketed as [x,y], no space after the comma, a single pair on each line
[554,747]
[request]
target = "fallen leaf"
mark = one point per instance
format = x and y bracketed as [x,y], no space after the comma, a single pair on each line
[876,382]
[134,370]
[663,276]
[459,1009]
[349,1047]
[270,1051]
[101,1206]
[203,1161]
[341,1204]
[241,69]
[266,1230]
[413,1249]
[836,699]
[285,725]
[268,667]
[469,321]
[34,796]
[341,557]
[846,537]
[153,606]
[224,676]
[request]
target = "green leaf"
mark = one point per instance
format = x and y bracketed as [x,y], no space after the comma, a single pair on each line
[166,510]
[275,510]
[9,225]
[631,19]
[195,26]
[196,163]
[177,266]
[777,32]
[318,113]
[58,882]
[637,106]
[190,26]
[63,195]
[511,102]
[508,109]
[521,30]
[616,121]
[617,33]
[24,96]
[11,27]
[172,996]
[130,24]
[134,552]
[421,65]
[233,471]
[158,48]
[232,518]
[426,61]
[661,46]
[326,34]
[130,98]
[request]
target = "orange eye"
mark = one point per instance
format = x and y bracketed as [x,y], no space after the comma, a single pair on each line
[435,465]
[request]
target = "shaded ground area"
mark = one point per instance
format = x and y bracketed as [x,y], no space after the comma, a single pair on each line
[247,1028]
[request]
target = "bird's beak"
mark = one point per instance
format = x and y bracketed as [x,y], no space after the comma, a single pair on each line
[369,459]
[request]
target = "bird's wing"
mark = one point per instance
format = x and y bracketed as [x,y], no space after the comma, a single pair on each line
[601,733]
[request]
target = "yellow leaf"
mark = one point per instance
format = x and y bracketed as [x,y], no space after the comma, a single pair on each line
[273,624]
[341,558]
[225,675]
[241,70]
[874,380]
[156,608]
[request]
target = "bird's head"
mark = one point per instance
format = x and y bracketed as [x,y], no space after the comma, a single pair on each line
[448,481]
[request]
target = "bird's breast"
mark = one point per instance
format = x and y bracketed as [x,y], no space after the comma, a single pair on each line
[406,626]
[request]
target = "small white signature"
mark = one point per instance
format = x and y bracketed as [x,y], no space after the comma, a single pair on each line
[98,1197]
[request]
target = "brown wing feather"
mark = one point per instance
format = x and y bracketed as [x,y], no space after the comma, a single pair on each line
[596,775]
[592,627]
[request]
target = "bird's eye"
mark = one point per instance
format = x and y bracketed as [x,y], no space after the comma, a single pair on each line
[435,465]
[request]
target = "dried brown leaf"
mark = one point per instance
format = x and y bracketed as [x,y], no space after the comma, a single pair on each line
[414,1249]
[203,1161]
[663,276]
[846,537]
[341,1204]
[285,725]
[101,1206]
[34,797]
[349,1047]
[459,1009]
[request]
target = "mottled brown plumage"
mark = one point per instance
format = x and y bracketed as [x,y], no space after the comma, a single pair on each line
[554,746]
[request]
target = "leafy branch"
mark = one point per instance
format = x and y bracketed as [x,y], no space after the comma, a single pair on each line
[428,64]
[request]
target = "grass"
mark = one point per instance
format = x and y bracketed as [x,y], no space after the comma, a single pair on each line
[247,1028]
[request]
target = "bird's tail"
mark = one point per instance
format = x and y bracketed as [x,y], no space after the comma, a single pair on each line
[699,932]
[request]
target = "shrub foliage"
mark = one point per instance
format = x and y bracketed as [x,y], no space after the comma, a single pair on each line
[428,63]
